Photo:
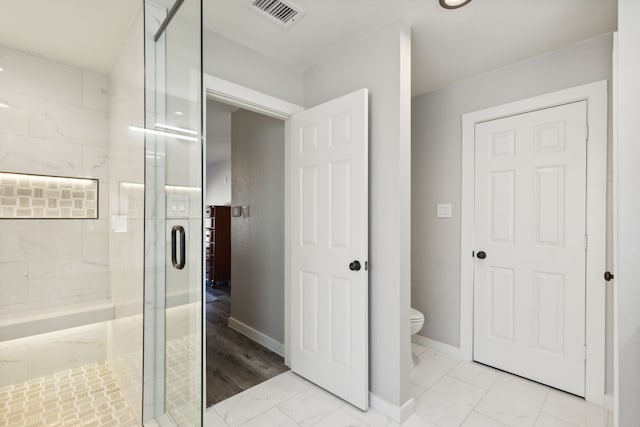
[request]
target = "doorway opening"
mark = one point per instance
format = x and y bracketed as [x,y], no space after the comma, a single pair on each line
[244,249]
[328,141]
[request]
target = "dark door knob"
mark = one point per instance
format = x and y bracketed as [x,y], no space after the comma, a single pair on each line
[355,266]
[608,276]
[482,255]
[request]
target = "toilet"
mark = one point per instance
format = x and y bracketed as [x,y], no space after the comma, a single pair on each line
[417,320]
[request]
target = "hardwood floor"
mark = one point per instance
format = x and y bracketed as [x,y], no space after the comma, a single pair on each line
[234,362]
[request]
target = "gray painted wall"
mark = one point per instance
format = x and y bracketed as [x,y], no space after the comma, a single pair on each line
[257,242]
[628,239]
[436,170]
[231,61]
[382,63]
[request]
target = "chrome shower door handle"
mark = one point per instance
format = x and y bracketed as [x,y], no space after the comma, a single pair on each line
[178,264]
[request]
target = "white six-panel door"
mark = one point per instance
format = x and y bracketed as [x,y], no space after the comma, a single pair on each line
[529,289]
[329,223]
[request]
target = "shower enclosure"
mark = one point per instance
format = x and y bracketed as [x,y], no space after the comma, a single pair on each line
[101,215]
[173,214]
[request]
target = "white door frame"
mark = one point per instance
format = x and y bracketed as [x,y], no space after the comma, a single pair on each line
[614,406]
[258,102]
[596,96]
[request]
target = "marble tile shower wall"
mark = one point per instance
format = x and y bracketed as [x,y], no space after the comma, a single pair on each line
[56,122]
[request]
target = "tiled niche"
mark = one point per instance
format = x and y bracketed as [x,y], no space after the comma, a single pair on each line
[25,196]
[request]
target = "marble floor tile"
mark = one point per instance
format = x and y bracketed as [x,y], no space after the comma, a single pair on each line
[545,420]
[370,418]
[417,349]
[475,374]
[452,393]
[414,420]
[310,406]
[416,390]
[478,420]
[575,410]
[431,367]
[340,418]
[272,418]
[448,402]
[252,402]
[513,401]
[212,419]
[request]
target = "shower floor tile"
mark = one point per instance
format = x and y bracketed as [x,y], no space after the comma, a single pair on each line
[84,396]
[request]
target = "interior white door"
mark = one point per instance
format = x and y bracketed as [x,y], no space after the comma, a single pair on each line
[529,275]
[329,243]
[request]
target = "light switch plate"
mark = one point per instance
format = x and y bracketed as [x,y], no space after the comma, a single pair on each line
[444,210]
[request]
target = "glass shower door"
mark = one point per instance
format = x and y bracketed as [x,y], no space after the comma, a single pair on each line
[173,213]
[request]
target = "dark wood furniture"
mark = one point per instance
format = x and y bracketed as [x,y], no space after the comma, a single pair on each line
[217,237]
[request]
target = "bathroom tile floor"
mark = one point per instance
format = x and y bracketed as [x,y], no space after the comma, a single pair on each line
[448,392]
[84,396]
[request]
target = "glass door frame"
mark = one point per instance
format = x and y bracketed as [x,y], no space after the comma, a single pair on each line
[174,160]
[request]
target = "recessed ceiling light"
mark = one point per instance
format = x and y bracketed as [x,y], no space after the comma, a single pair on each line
[1,69]
[3,105]
[453,4]
[179,113]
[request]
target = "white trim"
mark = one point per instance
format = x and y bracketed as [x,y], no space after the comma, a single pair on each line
[437,346]
[257,336]
[397,413]
[287,247]
[258,102]
[614,247]
[596,96]
[248,99]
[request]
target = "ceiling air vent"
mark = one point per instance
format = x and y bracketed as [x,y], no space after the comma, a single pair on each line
[283,12]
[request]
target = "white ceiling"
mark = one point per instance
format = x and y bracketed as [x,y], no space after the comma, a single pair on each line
[447,45]
[86,33]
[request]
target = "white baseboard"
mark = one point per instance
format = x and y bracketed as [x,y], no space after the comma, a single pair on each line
[437,346]
[262,339]
[397,413]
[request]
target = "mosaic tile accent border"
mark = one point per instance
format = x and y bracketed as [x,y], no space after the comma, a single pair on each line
[26,196]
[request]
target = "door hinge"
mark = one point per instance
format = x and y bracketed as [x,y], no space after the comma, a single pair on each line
[585,352]
[586,136]
[586,241]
